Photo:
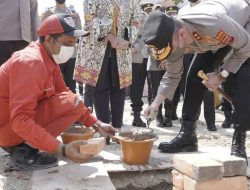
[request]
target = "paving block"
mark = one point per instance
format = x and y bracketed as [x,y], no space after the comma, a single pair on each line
[93,146]
[175,188]
[178,179]
[198,166]
[227,183]
[233,166]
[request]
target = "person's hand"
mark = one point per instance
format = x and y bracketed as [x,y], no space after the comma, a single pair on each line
[121,43]
[72,151]
[162,65]
[112,39]
[117,42]
[151,112]
[105,129]
[213,81]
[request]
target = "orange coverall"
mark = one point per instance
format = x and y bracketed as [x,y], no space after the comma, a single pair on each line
[35,104]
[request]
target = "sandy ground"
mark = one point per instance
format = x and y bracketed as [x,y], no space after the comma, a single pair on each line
[222,138]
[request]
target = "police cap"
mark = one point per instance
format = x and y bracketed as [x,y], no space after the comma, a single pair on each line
[146,6]
[157,33]
[172,9]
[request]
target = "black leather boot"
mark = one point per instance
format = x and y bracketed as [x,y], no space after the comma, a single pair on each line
[173,113]
[137,122]
[159,118]
[185,141]
[167,118]
[238,144]
[211,127]
[228,120]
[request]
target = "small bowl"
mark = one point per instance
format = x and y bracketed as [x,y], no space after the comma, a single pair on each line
[77,133]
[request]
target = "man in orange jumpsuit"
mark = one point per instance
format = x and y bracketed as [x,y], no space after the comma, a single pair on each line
[35,104]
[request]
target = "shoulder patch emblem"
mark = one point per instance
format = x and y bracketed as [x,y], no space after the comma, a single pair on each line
[224,38]
[69,21]
[197,36]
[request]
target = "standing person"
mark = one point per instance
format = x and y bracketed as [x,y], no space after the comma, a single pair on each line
[139,69]
[195,92]
[210,25]
[35,104]
[67,68]
[19,21]
[203,61]
[104,57]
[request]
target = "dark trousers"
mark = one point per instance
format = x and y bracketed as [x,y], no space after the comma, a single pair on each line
[88,96]
[67,70]
[241,96]
[139,74]
[228,89]
[7,48]
[209,110]
[194,89]
[107,95]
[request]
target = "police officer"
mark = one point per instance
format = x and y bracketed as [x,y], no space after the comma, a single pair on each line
[195,92]
[210,25]
[67,68]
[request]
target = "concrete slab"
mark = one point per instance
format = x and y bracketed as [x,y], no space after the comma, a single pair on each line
[89,176]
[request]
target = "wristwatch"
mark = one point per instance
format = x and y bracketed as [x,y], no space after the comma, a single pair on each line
[223,74]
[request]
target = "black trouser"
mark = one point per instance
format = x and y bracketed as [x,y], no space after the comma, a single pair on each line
[67,70]
[107,91]
[209,110]
[7,48]
[139,74]
[88,96]
[194,89]
[228,89]
[241,96]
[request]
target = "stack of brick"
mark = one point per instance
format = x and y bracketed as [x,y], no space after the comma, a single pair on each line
[208,172]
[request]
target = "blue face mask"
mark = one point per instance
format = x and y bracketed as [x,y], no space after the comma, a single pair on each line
[60,1]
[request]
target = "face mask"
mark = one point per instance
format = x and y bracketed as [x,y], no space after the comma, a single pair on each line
[64,55]
[60,1]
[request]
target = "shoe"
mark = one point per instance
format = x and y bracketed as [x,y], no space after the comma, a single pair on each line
[168,117]
[174,116]
[159,118]
[137,122]
[185,141]
[173,113]
[238,144]
[228,119]
[160,122]
[24,157]
[211,128]
[167,122]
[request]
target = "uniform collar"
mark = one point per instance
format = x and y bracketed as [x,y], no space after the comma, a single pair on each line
[48,60]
